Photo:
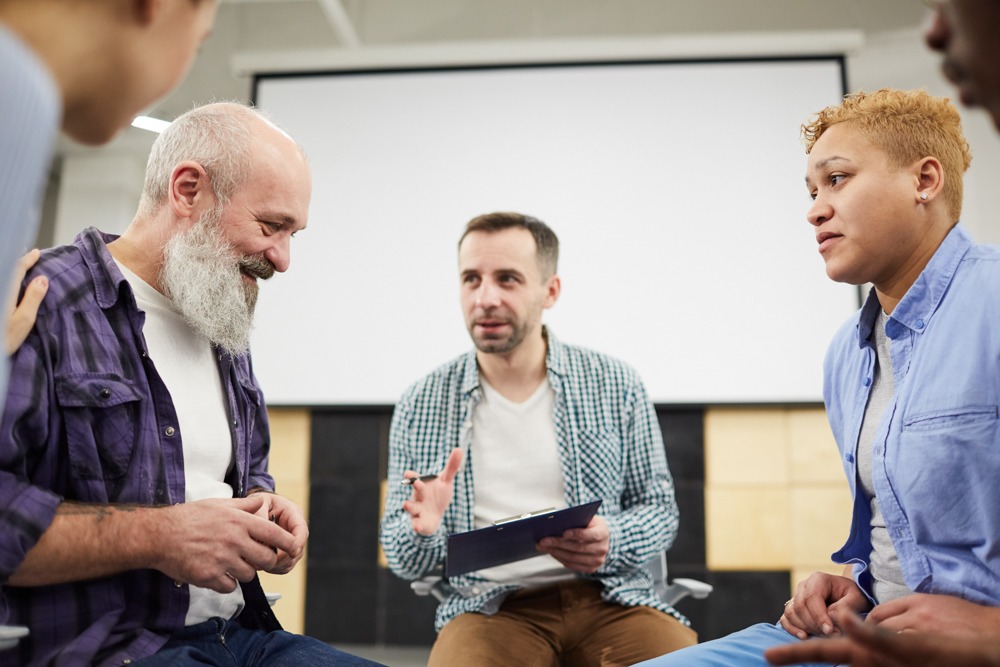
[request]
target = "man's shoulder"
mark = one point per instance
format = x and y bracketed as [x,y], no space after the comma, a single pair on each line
[70,280]
[584,362]
[446,377]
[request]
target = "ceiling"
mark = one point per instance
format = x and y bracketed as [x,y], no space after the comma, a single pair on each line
[254,35]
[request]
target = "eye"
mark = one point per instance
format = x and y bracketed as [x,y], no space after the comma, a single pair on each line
[269,227]
[836,179]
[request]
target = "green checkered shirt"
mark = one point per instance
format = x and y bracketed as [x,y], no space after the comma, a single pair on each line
[610,446]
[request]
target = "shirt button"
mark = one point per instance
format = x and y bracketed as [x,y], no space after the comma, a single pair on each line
[105,393]
[169,431]
[920,324]
[127,661]
[850,458]
[475,590]
[868,381]
[178,584]
[235,423]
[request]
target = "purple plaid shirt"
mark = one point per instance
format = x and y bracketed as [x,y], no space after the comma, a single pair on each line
[89,419]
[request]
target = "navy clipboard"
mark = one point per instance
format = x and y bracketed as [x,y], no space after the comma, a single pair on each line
[511,540]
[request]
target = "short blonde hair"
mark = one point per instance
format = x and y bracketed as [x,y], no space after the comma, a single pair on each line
[907,125]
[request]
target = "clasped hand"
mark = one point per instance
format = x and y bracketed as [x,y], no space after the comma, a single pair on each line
[216,543]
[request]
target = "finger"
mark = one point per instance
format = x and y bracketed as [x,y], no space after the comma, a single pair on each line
[813,612]
[34,292]
[814,650]
[881,613]
[271,535]
[792,625]
[254,556]
[874,637]
[22,320]
[452,466]
[252,503]
[25,262]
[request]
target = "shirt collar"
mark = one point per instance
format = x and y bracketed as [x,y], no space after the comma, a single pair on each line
[555,362]
[917,307]
[93,245]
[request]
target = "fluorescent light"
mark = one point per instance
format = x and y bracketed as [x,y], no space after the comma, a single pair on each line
[151,124]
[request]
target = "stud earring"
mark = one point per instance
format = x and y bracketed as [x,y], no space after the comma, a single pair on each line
[923,196]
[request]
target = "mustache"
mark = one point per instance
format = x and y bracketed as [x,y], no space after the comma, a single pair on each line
[258,267]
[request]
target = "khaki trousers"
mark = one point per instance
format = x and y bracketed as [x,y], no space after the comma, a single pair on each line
[563,625]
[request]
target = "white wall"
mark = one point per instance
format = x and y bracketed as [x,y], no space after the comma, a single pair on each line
[101,187]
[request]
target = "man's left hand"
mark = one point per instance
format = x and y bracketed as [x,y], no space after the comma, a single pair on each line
[938,614]
[286,514]
[580,549]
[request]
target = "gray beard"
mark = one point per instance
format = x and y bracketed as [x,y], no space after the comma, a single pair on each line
[201,276]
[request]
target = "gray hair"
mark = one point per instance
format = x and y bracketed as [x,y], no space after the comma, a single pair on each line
[217,136]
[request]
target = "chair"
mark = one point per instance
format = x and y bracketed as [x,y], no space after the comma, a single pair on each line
[433,583]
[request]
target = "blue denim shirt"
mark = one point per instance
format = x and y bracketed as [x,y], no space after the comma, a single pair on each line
[88,419]
[936,456]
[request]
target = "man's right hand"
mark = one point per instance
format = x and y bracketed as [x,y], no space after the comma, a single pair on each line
[215,543]
[22,315]
[808,612]
[430,499]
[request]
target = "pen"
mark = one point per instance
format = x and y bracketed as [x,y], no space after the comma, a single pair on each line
[408,481]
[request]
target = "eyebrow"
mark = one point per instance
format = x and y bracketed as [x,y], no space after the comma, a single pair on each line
[283,219]
[824,163]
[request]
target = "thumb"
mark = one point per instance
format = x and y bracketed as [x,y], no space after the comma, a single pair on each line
[34,293]
[453,465]
[252,503]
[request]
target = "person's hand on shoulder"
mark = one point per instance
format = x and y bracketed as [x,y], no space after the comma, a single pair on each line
[22,315]
[808,612]
[431,498]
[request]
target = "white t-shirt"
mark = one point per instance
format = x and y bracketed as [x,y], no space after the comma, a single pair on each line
[516,468]
[185,361]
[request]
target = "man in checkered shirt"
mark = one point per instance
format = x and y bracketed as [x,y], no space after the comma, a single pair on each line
[537,423]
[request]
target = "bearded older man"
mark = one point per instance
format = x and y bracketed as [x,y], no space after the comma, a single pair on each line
[135,430]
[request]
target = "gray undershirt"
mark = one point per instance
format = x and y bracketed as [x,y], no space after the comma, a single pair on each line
[885,569]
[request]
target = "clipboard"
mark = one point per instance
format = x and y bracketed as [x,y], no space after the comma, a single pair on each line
[512,540]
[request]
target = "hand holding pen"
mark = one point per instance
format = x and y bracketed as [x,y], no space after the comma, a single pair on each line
[432,494]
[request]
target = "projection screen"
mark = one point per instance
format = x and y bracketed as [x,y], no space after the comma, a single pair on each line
[676,189]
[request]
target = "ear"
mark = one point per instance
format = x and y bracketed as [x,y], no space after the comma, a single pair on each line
[190,192]
[930,179]
[553,287]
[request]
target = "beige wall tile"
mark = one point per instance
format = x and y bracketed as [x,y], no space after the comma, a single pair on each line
[745,447]
[289,465]
[812,451]
[820,520]
[747,528]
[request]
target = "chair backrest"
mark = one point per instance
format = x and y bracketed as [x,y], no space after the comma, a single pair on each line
[678,589]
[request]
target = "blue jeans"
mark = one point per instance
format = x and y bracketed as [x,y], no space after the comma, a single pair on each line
[221,643]
[740,649]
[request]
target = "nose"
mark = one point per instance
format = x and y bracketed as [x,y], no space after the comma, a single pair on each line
[819,212]
[487,295]
[937,31]
[279,253]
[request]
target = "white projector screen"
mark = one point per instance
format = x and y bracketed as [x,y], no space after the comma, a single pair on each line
[676,190]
